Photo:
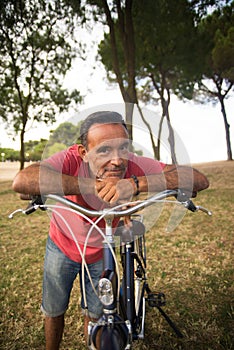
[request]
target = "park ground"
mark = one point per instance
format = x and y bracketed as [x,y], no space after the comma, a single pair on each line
[193,265]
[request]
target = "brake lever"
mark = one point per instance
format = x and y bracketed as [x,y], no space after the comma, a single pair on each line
[192,207]
[207,211]
[188,203]
[35,203]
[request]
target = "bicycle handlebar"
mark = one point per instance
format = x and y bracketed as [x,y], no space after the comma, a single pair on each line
[38,202]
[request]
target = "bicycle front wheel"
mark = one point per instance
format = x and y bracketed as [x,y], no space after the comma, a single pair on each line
[112,338]
[109,333]
[133,257]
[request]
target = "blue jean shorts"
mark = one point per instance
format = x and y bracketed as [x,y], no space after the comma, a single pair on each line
[59,274]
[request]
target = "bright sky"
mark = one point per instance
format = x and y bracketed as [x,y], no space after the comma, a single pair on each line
[199,128]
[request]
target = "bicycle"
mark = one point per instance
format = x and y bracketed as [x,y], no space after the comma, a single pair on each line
[123,297]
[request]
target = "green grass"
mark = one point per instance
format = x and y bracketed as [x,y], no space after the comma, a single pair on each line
[192,265]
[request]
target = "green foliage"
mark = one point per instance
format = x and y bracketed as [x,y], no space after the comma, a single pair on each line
[37,49]
[216,50]
[169,47]
[54,148]
[223,53]
[168,33]
[35,149]
[216,34]
[164,38]
[66,133]
[177,46]
[64,136]
[9,154]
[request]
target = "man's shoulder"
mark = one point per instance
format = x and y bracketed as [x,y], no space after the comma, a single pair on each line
[73,148]
[141,158]
[67,160]
[144,165]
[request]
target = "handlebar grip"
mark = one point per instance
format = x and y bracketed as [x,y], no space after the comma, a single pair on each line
[33,205]
[30,209]
[190,205]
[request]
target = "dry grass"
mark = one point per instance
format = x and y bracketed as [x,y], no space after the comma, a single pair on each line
[193,265]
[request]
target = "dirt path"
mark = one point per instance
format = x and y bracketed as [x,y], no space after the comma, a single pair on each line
[8,170]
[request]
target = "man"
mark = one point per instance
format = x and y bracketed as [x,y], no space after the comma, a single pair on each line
[97,173]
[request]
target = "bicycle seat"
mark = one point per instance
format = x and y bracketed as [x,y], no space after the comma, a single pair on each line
[137,229]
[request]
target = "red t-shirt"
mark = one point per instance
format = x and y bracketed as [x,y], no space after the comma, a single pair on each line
[66,227]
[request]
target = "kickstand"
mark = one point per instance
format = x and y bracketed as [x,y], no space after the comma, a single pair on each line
[169,321]
[157,300]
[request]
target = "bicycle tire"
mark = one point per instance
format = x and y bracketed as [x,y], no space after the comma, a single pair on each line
[138,260]
[139,287]
[114,337]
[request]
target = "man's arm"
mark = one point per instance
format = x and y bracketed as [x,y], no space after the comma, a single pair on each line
[40,178]
[172,177]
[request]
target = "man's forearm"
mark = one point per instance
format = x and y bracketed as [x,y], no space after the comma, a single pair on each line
[174,177]
[41,179]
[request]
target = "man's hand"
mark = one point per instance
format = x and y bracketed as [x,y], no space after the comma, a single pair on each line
[114,190]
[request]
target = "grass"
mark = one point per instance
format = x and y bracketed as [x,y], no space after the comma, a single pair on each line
[192,265]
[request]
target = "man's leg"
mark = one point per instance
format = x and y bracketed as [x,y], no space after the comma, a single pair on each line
[87,319]
[59,275]
[54,331]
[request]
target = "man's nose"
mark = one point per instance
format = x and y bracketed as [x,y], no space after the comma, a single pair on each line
[116,158]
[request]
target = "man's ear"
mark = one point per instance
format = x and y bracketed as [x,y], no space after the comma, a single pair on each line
[82,152]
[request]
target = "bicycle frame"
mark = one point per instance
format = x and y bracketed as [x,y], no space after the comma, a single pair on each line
[123,319]
[112,324]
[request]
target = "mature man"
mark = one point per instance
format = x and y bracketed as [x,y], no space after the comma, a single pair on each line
[97,173]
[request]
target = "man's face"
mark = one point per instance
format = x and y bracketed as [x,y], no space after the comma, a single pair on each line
[107,150]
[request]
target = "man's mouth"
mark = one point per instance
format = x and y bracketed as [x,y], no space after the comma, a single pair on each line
[117,172]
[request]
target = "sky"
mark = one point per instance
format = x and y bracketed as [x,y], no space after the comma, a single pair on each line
[199,129]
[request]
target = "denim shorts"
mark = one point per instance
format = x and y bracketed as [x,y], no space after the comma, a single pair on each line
[59,275]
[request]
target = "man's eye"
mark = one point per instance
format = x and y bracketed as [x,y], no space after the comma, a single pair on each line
[103,150]
[124,148]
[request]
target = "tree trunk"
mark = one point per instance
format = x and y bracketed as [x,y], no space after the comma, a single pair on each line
[126,31]
[227,128]
[22,149]
[129,108]
[171,137]
[158,147]
[155,148]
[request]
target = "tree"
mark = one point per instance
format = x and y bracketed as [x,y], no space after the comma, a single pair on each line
[66,133]
[9,154]
[117,15]
[165,34]
[166,30]
[37,49]
[34,149]
[163,52]
[216,48]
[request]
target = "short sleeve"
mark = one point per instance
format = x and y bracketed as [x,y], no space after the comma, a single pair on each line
[141,166]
